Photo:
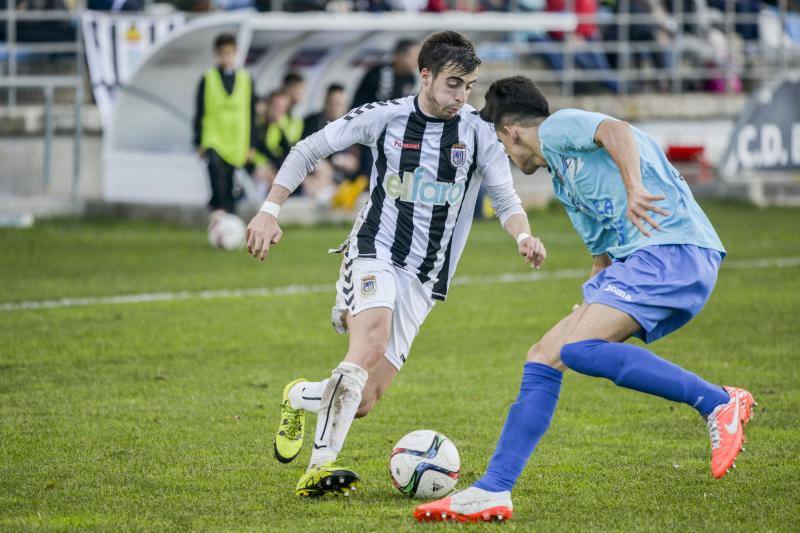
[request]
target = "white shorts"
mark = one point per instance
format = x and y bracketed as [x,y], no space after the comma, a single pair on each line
[366,283]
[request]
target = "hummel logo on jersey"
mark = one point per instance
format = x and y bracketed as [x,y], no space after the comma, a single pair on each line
[619,292]
[407,146]
[413,188]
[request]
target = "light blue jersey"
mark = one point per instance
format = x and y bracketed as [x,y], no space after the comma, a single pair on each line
[587,181]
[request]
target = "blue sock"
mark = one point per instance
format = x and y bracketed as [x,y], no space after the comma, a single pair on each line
[528,419]
[635,368]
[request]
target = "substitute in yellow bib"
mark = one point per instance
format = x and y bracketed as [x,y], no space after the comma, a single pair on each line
[223,123]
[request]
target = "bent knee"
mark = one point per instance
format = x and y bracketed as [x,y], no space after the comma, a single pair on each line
[368,353]
[578,354]
[539,353]
[375,347]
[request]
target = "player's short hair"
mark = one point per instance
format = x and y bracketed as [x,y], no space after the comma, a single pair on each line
[224,39]
[514,100]
[275,94]
[403,45]
[334,87]
[291,78]
[448,49]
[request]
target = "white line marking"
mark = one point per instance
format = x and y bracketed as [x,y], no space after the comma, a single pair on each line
[288,290]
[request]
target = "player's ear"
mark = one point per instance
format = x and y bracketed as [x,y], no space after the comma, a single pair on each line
[426,76]
[512,132]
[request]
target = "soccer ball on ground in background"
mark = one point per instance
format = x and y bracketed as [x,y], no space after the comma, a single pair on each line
[424,464]
[226,231]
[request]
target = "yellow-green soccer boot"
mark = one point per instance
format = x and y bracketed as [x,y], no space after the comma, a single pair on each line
[289,438]
[328,478]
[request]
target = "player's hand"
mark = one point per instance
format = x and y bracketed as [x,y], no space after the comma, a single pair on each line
[640,203]
[532,249]
[201,153]
[262,232]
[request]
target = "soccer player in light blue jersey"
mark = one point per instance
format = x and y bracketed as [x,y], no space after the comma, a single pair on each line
[655,261]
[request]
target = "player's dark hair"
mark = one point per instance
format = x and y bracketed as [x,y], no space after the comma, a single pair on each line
[224,39]
[514,100]
[448,49]
[402,46]
[334,87]
[291,78]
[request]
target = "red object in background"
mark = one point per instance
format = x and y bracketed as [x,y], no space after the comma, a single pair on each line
[437,6]
[685,153]
[690,161]
[588,30]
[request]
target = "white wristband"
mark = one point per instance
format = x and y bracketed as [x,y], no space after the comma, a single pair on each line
[270,208]
[521,237]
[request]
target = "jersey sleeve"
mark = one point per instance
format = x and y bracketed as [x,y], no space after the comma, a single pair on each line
[362,125]
[571,131]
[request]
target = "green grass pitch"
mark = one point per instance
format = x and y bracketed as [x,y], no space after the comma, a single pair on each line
[159,416]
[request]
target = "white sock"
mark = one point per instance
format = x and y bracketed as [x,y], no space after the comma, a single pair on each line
[306,395]
[340,401]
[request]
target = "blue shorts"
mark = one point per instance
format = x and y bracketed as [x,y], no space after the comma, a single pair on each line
[662,287]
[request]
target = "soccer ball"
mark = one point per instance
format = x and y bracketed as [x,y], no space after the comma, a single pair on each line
[424,464]
[226,231]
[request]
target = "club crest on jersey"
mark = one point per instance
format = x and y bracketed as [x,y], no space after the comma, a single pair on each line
[369,285]
[415,188]
[458,155]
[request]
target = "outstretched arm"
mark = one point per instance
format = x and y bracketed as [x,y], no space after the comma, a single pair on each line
[364,127]
[617,138]
[263,230]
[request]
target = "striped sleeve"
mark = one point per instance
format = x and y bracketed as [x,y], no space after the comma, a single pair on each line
[362,125]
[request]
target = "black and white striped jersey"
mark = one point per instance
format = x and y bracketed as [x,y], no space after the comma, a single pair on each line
[425,180]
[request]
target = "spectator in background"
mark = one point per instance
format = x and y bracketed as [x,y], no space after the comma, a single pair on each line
[333,108]
[387,81]
[39,30]
[294,86]
[272,145]
[586,33]
[278,128]
[661,32]
[747,29]
[224,119]
[115,5]
[341,167]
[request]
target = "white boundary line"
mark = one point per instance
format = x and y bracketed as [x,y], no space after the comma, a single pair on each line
[289,290]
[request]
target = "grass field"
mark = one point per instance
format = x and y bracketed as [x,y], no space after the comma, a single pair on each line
[159,415]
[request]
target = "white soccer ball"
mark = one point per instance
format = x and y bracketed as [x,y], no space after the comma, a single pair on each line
[424,464]
[226,231]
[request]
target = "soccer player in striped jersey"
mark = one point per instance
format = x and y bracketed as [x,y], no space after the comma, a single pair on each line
[656,257]
[431,153]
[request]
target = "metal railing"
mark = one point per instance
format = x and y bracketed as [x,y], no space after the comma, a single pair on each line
[48,84]
[751,64]
[625,74]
